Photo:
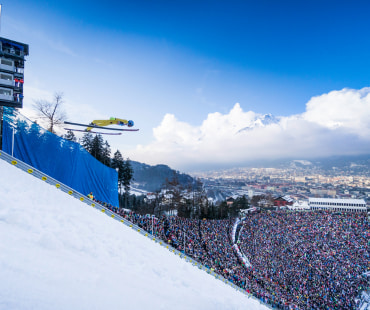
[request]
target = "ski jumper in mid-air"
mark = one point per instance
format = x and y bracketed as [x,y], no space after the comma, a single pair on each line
[102,124]
[111,121]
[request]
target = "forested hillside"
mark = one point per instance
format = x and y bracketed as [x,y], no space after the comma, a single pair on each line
[153,178]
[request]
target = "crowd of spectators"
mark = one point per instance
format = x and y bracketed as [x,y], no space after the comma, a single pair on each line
[298,260]
[207,241]
[314,260]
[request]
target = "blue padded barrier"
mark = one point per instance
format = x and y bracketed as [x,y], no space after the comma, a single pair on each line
[64,160]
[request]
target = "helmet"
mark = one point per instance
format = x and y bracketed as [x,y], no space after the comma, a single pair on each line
[130,123]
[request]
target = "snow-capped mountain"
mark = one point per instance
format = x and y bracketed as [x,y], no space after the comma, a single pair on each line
[261,121]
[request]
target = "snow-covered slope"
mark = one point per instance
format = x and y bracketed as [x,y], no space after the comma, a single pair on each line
[58,253]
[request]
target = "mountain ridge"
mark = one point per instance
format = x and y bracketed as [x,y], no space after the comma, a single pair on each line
[153,178]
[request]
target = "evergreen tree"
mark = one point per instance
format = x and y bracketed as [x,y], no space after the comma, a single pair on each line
[97,146]
[118,164]
[70,136]
[199,205]
[128,173]
[117,161]
[174,189]
[241,202]
[223,210]
[106,160]
[133,201]
[125,173]
[212,211]
[86,141]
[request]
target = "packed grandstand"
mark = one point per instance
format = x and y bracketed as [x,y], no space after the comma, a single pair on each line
[290,260]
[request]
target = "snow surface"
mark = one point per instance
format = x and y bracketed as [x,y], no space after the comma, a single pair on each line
[59,253]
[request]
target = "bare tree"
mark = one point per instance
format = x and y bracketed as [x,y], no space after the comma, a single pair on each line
[52,112]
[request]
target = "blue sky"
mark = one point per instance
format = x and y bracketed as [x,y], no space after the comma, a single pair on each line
[177,63]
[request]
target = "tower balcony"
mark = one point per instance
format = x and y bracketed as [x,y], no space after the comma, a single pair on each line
[8,101]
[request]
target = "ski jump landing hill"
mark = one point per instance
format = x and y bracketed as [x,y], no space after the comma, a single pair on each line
[59,254]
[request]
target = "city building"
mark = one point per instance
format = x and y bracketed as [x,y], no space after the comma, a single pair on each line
[283,201]
[347,205]
[299,205]
[230,201]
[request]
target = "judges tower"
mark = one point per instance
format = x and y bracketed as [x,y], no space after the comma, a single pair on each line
[12,58]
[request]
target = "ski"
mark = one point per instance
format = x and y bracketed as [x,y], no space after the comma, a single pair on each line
[101,133]
[101,127]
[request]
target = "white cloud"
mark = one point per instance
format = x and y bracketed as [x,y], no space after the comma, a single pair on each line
[336,123]
[347,108]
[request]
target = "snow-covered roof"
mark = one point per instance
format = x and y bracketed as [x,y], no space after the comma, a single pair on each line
[288,198]
[336,200]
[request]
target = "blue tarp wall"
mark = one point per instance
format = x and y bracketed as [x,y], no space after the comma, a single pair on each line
[64,160]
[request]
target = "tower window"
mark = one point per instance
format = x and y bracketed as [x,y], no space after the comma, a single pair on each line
[4,91]
[7,77]
[7,62]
